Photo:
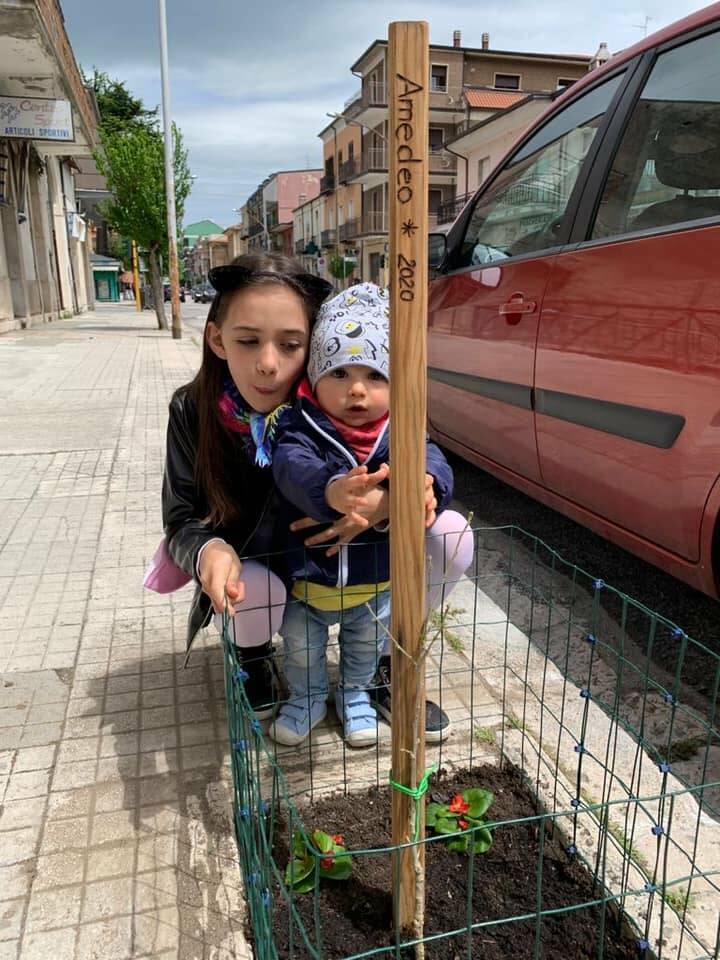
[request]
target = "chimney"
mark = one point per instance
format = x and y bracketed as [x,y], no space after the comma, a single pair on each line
[302,198]
[456,38]
[485,41]
[602,55]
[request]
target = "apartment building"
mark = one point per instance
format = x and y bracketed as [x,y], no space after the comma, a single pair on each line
[309,232]
[268,211]
[48,119]
[466,85]
[340,188]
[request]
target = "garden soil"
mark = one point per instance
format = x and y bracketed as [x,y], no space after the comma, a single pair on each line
[356,914]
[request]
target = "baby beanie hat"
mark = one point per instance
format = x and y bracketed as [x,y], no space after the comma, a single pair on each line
[353,327]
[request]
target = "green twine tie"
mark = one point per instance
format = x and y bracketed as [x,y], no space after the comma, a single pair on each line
[416,793]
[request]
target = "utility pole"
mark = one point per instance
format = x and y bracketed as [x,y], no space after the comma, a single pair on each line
[169,178]
[136,277]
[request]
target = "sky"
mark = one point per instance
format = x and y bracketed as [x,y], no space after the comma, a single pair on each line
[251,82]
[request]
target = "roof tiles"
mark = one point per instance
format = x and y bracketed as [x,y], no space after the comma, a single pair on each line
[492,99]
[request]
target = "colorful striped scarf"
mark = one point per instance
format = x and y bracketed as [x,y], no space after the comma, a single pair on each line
[259,430]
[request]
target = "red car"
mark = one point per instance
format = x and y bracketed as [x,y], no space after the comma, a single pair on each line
[574,316]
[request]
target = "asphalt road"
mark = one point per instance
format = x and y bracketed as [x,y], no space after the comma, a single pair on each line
[493,503]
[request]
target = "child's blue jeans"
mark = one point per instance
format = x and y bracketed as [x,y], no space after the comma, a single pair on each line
[362,637]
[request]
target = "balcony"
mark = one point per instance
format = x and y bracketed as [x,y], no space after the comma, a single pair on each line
[327,183]
[375,221]
[299,247]
[348,170]
[451,208]
[255,227]
[349,230]
[327,238]
[374,94]
[374,158]
[440,161]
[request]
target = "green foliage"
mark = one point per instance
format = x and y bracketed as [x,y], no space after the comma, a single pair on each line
[328,858]
[679,900]
[119,110]
[439,622]
[119,249]
[132,163]
[485,735]
[339,267]
[461,820]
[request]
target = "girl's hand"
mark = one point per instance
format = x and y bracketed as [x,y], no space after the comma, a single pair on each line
[346,494]
[219,572]
[430,501]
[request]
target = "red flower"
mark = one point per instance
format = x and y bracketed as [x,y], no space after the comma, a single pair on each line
[463,824]
[458,805]
[326,863]
[338,838]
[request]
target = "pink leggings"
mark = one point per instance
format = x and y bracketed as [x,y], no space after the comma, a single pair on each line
[450,546]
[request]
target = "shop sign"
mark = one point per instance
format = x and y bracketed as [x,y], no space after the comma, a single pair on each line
[33,118]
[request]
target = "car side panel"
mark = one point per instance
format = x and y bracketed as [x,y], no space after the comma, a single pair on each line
[480,361]
[627,384]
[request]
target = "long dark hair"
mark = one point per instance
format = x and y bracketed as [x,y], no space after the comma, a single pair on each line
[213,465]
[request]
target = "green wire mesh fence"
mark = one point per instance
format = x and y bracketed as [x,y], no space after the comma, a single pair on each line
[576,695]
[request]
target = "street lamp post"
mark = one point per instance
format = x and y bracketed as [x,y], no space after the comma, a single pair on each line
[169,179]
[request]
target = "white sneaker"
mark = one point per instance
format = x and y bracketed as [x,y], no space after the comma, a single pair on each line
[296,719]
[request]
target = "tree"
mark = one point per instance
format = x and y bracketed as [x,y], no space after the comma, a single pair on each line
[132,162]
[119,110]
[340,267]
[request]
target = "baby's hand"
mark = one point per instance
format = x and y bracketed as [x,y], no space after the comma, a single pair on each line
[346,494]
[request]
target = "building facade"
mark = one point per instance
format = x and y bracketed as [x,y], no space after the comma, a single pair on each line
[269,209]
[483,145]
[48,119]
[466,85]
[191,257]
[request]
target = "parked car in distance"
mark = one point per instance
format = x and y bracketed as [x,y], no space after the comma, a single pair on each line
[166,293]
[574,313]
[204,293]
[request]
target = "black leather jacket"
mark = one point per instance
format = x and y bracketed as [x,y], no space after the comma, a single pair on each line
[184,505]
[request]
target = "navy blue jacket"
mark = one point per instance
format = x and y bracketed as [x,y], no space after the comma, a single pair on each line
[309,453]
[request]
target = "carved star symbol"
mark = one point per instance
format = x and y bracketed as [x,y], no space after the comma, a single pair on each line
[408,228]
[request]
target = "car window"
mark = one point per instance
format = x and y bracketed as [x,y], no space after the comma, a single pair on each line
[524,206]
[667,169]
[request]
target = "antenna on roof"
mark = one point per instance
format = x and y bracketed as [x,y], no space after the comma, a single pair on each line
[643,26]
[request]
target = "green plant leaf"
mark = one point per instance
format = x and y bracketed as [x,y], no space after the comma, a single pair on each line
[323,841]
[471,821]
[340,870]
[446,825]
[306,885]
[299,847]
[433,811]
[459,845]
[483,840]
[479,801]
[298,869]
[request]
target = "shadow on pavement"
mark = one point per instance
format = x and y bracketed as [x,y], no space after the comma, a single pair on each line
[163,730]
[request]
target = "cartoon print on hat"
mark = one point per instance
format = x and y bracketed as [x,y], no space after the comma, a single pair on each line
[353,327]
[349,328]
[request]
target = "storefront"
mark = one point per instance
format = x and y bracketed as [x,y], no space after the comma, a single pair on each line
[106,273]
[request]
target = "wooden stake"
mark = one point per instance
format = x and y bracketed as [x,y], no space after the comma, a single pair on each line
[408,198]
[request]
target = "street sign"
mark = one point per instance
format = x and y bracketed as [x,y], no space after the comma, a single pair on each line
[34,118]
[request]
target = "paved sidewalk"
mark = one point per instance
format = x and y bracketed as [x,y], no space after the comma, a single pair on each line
[115,804]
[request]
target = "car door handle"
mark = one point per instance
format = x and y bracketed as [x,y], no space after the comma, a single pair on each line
[516,306]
